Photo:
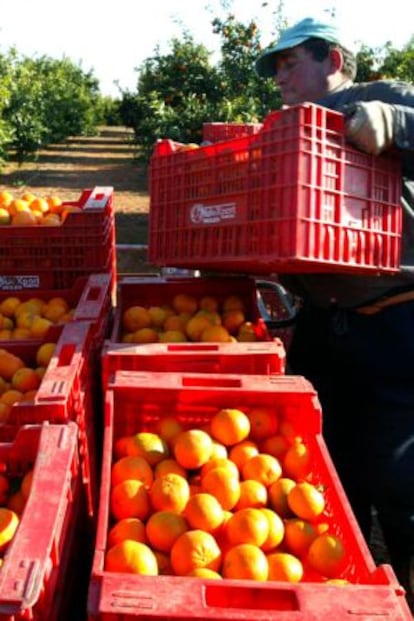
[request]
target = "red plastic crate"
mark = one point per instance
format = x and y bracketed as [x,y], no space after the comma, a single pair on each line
[136,402]
[294,197]
[38,576]
[53,257]
[267,355]
[247,358]
[214,132]
[90,297]
[67,393]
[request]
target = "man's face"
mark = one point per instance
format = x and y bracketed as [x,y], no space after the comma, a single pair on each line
[300,77]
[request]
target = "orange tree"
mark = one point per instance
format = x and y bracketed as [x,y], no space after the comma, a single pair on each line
[44,101]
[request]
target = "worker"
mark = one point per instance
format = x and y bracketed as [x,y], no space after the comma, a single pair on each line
[354,336]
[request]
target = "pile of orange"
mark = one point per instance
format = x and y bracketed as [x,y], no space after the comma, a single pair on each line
[32,318]
[187,318]
[28,209]
[210,501]
[19,381]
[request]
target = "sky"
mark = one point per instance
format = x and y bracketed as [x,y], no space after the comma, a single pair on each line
[113,38]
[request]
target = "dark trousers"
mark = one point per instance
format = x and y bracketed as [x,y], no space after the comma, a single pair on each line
[363,369]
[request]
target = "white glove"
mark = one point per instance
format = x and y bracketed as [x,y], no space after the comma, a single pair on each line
[369,126]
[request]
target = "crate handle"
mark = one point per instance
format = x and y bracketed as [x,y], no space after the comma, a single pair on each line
[94,295]
[99,197]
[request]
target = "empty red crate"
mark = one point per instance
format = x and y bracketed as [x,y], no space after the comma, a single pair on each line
[53,257]
[136,402]
[38,576]
[293,197]
[247,358]
[214,132]
[67,393]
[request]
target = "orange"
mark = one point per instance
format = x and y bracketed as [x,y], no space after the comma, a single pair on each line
[50,219]
[39,204]
[252,494]
[326,555]
[169,493]
[127,528]
[55,310]
[168,428]
[40,326]
[263,422]
[224,484]
[220,462]
[275,445]
[26,484]
[131,467]
[245,562]
[5,217]
[158,315]
[215,334]
[242,451]
[232,302]
[184,303]
[163,529]
[6,198]
[28,196]
[194,549]
[18,205]
[192,448]
[55,204]
[33,306]
[172,336]
[263,468]
[284,567]
[219,451]
[230,426]
[9,305]
[195,327]
[249,525]
[11,396]
[23,218]
[145,335]
[306,501]
[129,499]
[276,530]
[45,353]
[204,511]
[25,379]
[297,460]
[299,534]
[131,557]
[209,303]
[9,521]
[247,333]
[167,466]
[176,322]
[9,364]
[135,317]
[233,319]
[148,445]
[204,572]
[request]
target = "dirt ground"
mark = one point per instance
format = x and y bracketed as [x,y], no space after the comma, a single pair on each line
[85,162]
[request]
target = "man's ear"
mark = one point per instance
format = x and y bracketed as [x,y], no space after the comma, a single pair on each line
[337,60]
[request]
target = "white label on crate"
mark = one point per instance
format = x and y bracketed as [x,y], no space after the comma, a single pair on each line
[212,214]
[16,283]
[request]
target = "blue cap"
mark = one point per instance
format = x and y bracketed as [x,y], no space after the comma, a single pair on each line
[295,35]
